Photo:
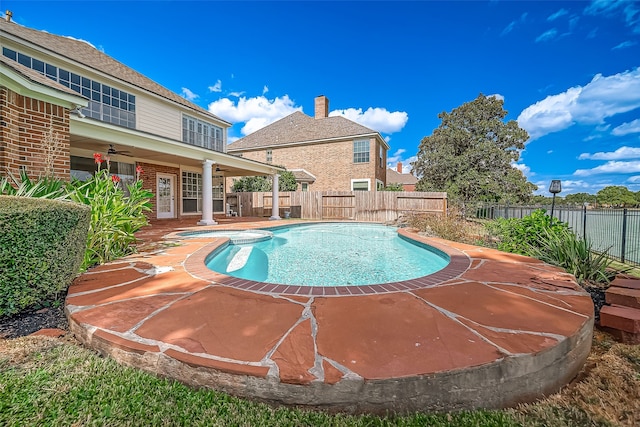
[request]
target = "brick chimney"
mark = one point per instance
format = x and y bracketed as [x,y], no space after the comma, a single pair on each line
[399,167]
[322,107]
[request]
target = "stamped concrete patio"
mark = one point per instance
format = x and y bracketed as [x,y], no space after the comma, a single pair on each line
[491,330]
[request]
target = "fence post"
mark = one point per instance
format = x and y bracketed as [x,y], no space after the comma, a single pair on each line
[624,234]
[584,223]
[506,210]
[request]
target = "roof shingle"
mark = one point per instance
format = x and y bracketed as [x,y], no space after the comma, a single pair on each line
[298,127]
[85,54]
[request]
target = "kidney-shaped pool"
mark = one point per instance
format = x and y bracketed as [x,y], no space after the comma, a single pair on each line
[329,254]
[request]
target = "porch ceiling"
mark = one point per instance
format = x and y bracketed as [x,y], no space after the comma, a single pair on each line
[90,136]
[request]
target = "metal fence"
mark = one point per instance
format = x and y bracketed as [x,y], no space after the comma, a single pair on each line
[616,231]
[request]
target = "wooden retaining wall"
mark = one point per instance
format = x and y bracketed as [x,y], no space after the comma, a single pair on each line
[375,206]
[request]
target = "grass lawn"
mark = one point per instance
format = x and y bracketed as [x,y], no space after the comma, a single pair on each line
[56,382]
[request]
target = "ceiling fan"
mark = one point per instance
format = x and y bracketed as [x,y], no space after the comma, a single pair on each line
[113,152]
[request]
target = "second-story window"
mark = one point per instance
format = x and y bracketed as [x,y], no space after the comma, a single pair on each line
[106,103]
[202,134]
[361,151]
[269,156]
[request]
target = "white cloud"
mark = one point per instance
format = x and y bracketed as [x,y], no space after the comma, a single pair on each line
[378,119]
[256,112]
[216,87]
[611,167]
[590,104]
[627,128]
[496,96]
[265,89]
[628,10]
[396,156]
[526,170]
[513,24]
[547,35]
[186,93]
[236,94]
[558,14]
[621,153]
[624,45]
[634,179]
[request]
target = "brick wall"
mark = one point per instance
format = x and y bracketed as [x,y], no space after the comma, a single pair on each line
[23,125]
[331,163]
[150,180]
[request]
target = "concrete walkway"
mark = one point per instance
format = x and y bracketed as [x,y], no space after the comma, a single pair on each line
[491,330]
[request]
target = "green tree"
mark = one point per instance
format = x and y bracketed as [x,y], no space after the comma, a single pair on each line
[286,182]
[580,198]
[470,155]
[617,195]
[393,187]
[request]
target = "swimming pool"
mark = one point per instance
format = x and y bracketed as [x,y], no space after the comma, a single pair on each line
[329,254]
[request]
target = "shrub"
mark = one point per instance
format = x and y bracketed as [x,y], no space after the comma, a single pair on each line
[115,217]
[519,235]
[562,248]
[452,227]
[42,243]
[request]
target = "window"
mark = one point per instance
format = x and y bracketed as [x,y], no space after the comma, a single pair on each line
[305,186]
[269,156]
[361,151]
[202,134]
[381,157]
[105,103]
[360,185]
[191,192]
[82,168]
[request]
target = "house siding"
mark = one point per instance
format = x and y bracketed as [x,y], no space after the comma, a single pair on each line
[331,163]
[158,119]
[23,125]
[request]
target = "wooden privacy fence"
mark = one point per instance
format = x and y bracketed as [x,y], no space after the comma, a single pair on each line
[375,206]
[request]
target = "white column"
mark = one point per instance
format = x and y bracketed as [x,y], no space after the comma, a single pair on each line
[275,196]
[207,194]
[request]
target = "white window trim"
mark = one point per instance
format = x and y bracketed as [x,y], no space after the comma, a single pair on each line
[361,180]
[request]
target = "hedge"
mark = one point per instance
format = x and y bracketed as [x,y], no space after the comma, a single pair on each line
[42,244]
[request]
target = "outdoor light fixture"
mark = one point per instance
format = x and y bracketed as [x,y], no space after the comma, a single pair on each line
[554,189]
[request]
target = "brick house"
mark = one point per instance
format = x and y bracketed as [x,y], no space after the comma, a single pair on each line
[407,180]
[324,153]
[95,104]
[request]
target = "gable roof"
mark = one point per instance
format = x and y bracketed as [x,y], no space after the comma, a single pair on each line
[393,177]
[300,128]
[302,175]
[85,54]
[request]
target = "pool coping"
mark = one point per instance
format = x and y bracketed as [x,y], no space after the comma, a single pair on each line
[195,265]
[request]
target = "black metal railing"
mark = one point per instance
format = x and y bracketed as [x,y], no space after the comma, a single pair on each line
[615,231]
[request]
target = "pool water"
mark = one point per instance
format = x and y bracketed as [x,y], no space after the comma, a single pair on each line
[335,254]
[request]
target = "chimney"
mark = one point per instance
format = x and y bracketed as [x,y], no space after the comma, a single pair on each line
[7,15]
[399,167]
[322,107]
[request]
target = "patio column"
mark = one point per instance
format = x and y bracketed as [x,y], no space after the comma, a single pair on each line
[275,196]
[207,194]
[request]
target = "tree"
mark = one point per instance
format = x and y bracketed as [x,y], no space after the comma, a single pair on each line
[396,186]
[470,155]
[580,198]
[286,182]
[616,195]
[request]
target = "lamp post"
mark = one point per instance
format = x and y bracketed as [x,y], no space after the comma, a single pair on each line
[554,189]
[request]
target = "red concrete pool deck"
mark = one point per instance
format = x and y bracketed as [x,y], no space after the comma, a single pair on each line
[493,330]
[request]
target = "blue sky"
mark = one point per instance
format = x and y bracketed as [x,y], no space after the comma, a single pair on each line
[569,72]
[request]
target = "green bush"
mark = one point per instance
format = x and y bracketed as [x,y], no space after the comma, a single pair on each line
[562,248]
[115,217]
[42,243]
[520,235]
